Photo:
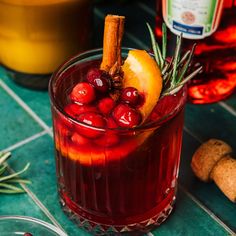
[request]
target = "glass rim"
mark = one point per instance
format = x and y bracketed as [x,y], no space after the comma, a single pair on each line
[140,127]
[47,225]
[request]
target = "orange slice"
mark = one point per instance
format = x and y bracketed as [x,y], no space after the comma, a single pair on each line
[142,72]
[91,154]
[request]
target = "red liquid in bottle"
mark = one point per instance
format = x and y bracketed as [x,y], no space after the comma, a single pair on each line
[124,186]
[217,55]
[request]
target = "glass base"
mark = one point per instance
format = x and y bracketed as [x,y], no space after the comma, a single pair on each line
[134,229]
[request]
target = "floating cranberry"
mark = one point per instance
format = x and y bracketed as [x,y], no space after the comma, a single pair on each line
[108,140]
[111,123]
[93,119]
[130,95]
[74,109]
[83,93]
[99,79]
[79,139]
[28,234]
[126,116]
[105,105]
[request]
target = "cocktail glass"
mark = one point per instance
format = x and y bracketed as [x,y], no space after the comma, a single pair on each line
[122,186]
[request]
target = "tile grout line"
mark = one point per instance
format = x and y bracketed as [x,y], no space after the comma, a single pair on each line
[25,141]
[29,192]
[47,130]
[147,9]
[39,203]
[213,216]
[192,134]
[26,107]
[210,213]
[228,108]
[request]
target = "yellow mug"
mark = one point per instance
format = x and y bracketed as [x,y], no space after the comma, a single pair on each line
[36,36]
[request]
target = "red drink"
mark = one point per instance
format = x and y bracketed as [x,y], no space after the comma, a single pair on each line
[217,54]
[119,179]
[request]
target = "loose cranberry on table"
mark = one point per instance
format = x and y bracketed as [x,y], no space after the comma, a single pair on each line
[126,116]
[99,79]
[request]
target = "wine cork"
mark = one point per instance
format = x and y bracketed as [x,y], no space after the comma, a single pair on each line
[206,157]
[224,176]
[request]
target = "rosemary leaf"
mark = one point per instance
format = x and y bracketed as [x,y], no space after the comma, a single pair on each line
[11,191]
[19,181]
[185,56]
[160,56]
[9,186]
[178,86]
[165,68]
[4,178]
[3,168]
[173,71]
[186,65]
[4,156]
[189,77]
[168,66]
[154,45]
[164,42]
[176,59]
[169,76]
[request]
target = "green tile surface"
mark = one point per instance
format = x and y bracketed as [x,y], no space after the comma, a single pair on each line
[231,102]
[42,174]
[212,121]
[15,123]
[38,101]
[20,205]
[40,154]
[202,121]
[189,219]
[209,195]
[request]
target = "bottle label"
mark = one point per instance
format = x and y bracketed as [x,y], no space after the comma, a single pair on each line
[195,19]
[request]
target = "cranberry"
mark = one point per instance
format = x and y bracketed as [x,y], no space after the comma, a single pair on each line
[93,119]
[74,109]
[126,116]
[28,234]
[111,123]
[99,79]
[79,139]
[62,127]
[130,95]
[107,140]
[83,93]
[105,105]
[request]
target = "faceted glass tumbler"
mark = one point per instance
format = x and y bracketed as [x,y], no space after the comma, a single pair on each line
[128,186]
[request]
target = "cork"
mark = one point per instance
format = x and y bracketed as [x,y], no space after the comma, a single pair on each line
[207,156]
[224,176]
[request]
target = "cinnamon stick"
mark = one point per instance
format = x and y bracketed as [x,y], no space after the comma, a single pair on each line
[113,34]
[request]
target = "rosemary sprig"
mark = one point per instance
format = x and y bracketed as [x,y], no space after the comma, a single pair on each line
[173,71]
[8,181]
